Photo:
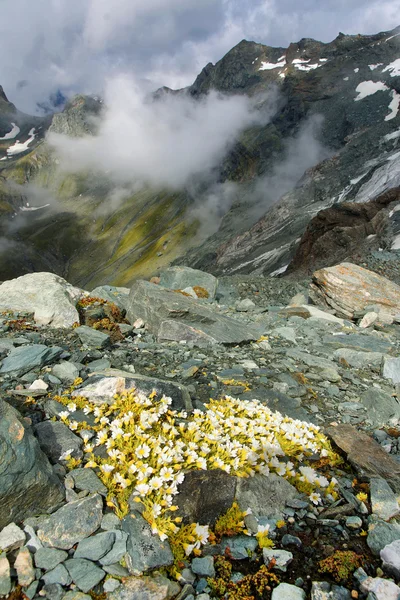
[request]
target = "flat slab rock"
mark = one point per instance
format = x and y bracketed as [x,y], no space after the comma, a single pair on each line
[348,288]
[155,304]
[140,588]
[72,523]
[366,455]
[27,482]
[145,551]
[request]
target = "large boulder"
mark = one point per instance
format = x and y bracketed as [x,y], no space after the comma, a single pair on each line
[48,296]
[156,305]
[349,289]
[179,278]
[28,485]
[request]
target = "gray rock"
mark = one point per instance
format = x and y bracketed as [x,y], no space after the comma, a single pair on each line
[141,588]
[383,500]
[110,585]
[99,365]
[390,556]
[24,567]
[391,369]
[245,305]
[33,356]
[353,522]
[11,538]
[54,591]
[283,558]
[204,567]
[380,589]
[285,591]
[324,591]
[110,521]
[356,341]
[92,338]
[75,595]
[30,591]
[178,278]
[57,575]
[27,483]
[49,558]
[381,407]
[287,333]
[175,331]
[87,480]
[155,304]
[96,546]
[111,293]
[265,496]
[72,523]
[241,546]
[197,501]
[145,551]
[359,360]
[84,573]
[380,534]
[118,549]
[116,570]
[48,296]
[32,542]
[5,576]
[55,438]
[65,371]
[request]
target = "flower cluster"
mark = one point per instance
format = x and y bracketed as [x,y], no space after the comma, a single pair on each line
[142,449]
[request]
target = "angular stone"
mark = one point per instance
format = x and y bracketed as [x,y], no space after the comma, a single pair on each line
[326,591]
[110,521]
[368,319]
[72,523]
[96,546]
[383,500]
[111,293]
[87,480]
[24,567]
[101,390]
[33,356]
[245,305]
[285,591]
[33,542]
[380,534]
[178,278]
[5,576]
[155,304]
[118,549]
[366,454]
[359,360]
[265,496]
[28,485]
[145,551]
[48,296]
[49,558]
[92,338]
[58,575]
[390,556]
[197,500]
[55,438]
[360,342]
[141,588]
[175,331]
[381,407]
[391,369]
[204,567]
[240,546]
[11,538]
[84,573]
[349,289]
[75,595]
[110,585]
[308,311]
[282,558]
[380,589]
[65,371]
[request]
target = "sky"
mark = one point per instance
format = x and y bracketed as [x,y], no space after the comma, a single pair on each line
[75,46]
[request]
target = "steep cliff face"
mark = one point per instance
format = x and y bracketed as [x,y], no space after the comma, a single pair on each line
[333,137]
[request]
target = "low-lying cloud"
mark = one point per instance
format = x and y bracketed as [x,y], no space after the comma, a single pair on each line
[168,142]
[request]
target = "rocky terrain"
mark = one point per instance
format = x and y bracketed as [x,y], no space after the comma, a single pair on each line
[190,437]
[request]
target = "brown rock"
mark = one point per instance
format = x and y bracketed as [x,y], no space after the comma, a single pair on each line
[366,455]
[348,289]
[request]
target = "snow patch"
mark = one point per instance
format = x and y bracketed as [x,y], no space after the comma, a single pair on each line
[266,66]
[392,136]
[394,68]
[283,57]
[32,208]
[391,37]
[18,147]
[373,67]
[357,179]
[368,88]
[279,271]
[394,210]
[323,60]
[346,78]
[394,106]
[11,134]
[356,70]
[396,243]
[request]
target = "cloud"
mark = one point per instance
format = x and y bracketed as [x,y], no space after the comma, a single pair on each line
[76,45]
[165,143]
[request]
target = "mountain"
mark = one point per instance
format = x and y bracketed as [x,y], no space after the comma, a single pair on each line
[333,136]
